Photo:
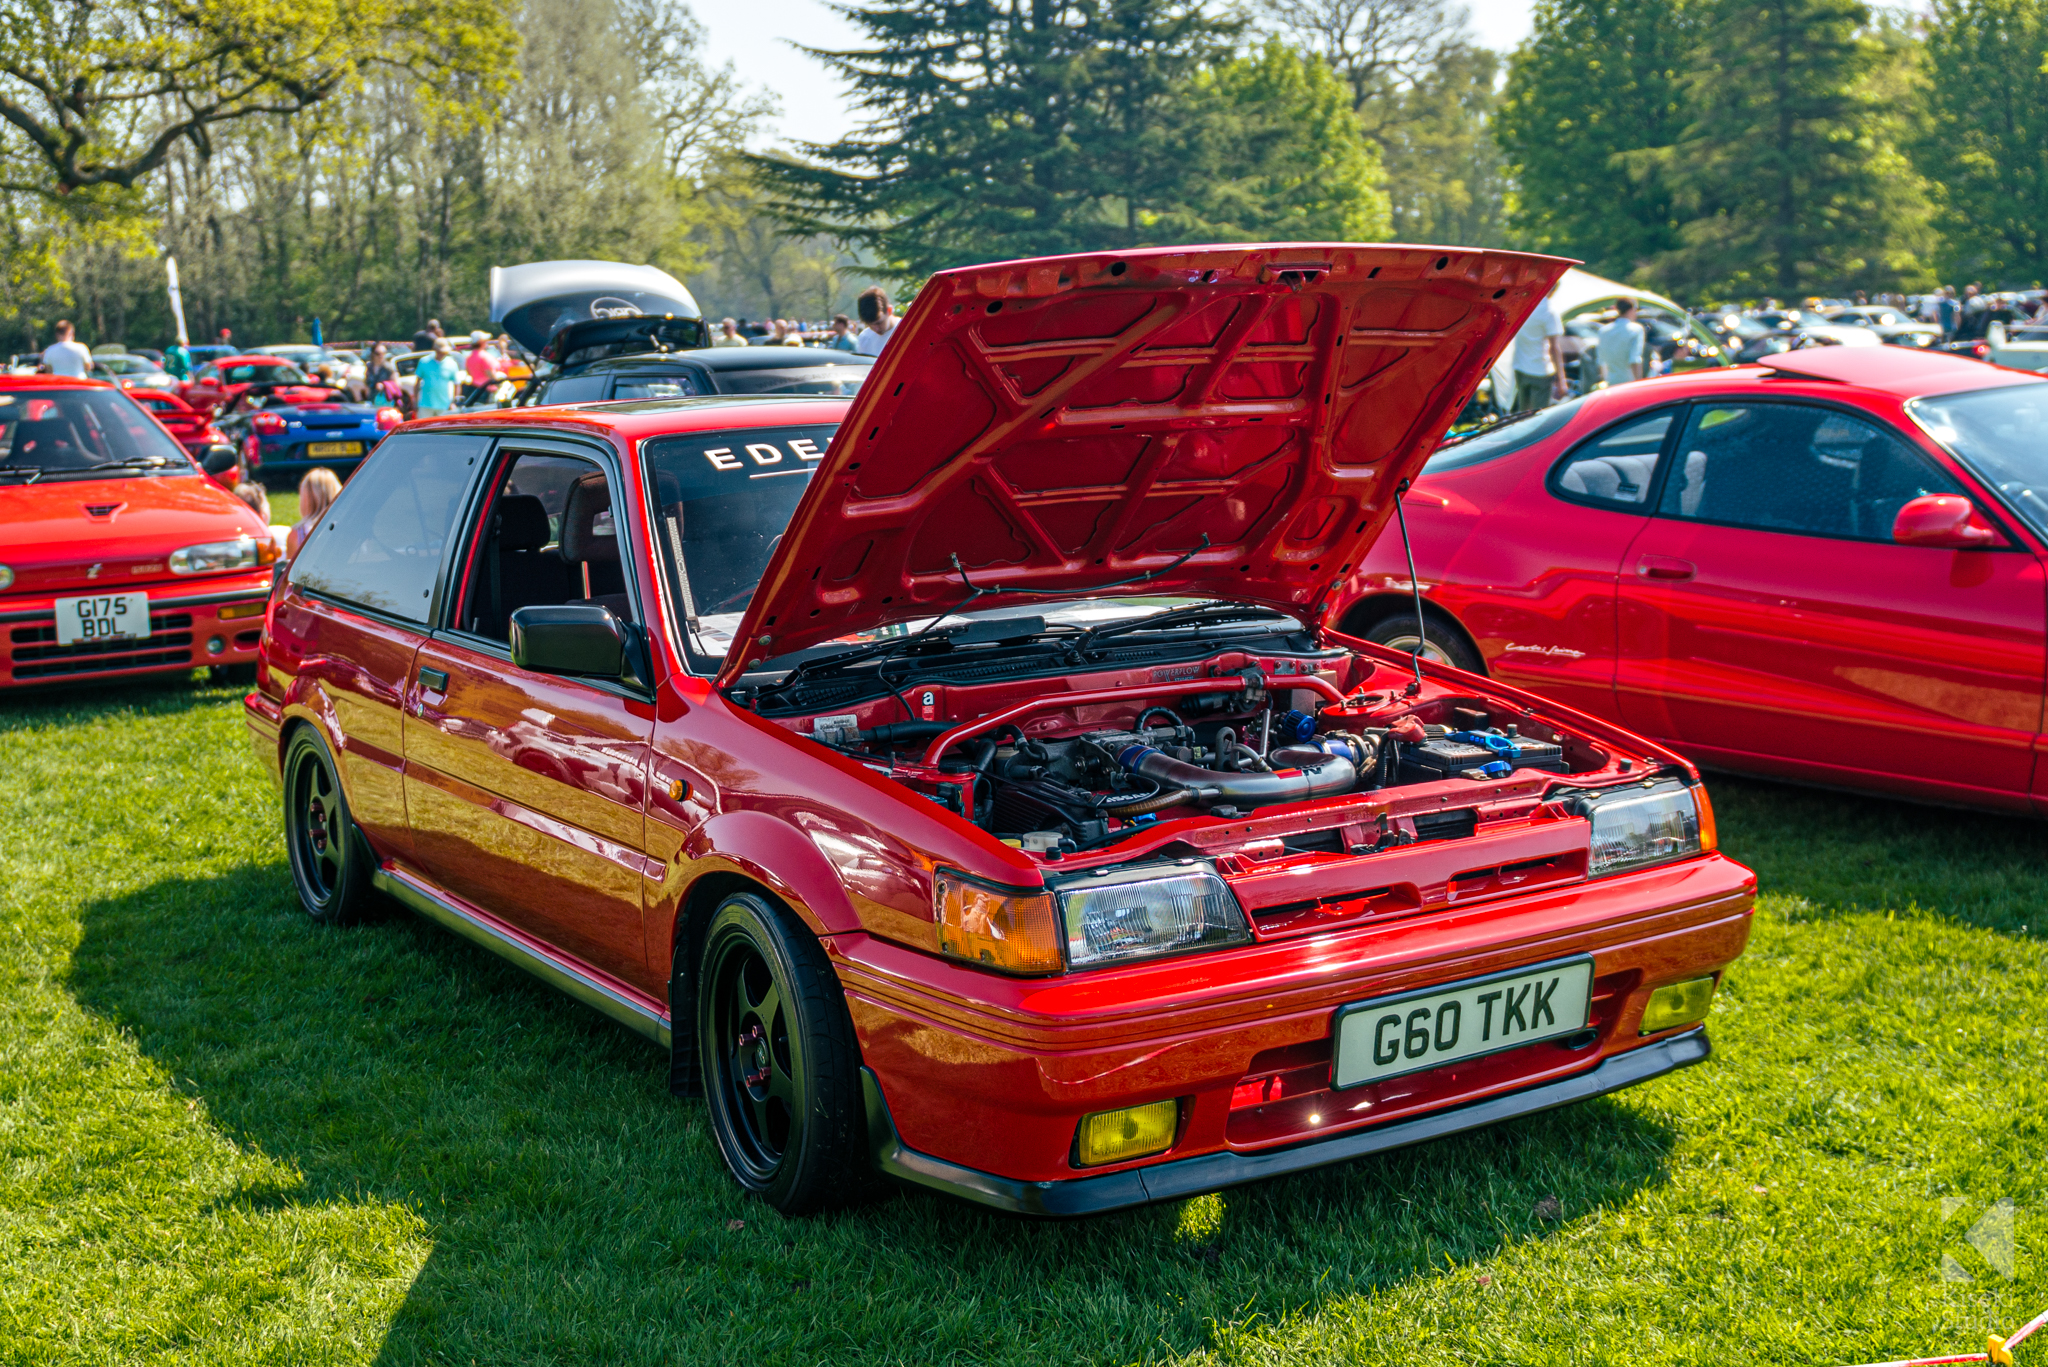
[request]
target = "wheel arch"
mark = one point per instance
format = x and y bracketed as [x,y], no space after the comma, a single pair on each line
[1373,609]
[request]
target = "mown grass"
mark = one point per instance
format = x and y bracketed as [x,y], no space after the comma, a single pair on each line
[227,1136]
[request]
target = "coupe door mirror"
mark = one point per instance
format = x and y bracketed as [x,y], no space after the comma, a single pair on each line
[569,640]
[218,460]
[1944,521]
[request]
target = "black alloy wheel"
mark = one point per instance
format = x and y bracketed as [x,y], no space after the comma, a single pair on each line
[331,863]
[1442,643]
[780,1065]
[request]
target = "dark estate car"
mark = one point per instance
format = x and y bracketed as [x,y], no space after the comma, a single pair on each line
[604,330]
[964,780]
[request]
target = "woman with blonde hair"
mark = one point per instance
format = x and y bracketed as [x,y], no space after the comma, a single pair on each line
[317,492]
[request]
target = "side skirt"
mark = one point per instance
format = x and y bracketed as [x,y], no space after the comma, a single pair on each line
[549,968]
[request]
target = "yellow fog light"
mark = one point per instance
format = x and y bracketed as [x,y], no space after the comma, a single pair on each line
[1133,1132]
[1676,1004]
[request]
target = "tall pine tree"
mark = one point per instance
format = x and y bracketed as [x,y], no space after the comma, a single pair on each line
[1005,128]
[1596,81]
[1987,137]
[1790,177]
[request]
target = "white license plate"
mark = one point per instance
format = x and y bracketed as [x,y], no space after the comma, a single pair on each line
[103,617]
[1412,1031]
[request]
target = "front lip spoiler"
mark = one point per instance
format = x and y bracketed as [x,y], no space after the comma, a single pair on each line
[1214,1171]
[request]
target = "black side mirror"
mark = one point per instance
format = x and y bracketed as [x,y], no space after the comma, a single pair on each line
[218,460]
[569,640]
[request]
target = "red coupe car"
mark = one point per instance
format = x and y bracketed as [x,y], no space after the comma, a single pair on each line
[1827,568]
[194,430]
[963,780]
[216,384]
[118,556]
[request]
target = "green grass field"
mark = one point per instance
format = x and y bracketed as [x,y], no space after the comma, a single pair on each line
[227,1136]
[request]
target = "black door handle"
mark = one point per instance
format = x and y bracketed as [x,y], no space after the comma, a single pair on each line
[434,680]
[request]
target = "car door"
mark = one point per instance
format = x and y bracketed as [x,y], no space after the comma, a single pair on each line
[361,599]
[1769,621]
[1547,556]
[527,791]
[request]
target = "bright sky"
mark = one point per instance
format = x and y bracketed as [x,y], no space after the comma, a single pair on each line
[755,36]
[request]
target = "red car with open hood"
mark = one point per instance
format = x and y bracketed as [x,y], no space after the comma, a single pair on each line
[963,780]
[118,556]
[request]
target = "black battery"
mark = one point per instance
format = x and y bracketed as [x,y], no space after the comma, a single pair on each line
[1468,754]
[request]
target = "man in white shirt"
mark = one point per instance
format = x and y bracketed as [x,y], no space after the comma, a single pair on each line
[1621,346]
[65,356]
[879,315]
[1539,359]
[728,334]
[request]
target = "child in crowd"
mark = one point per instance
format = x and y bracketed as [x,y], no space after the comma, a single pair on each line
[257,497]
[317,492]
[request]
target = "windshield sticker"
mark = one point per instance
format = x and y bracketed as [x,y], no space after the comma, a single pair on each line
[762,453]
[608,307]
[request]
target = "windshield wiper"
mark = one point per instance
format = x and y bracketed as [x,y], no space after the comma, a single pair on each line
[1196,614]
[132,463]
[34,472]
[966,633]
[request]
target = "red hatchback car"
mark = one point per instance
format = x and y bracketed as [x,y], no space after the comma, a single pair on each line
[1828,568]
[962,780]
[118,556]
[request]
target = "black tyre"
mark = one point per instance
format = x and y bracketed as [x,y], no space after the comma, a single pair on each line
[780,1065]
[1442,643]
[331,863]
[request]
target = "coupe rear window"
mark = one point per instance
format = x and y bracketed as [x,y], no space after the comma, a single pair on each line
[722,501]
[1502,438]
[821,379]
[59,434]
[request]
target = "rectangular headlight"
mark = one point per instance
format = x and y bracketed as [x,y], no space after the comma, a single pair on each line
[1146,911]
[1638,827]
[243,553]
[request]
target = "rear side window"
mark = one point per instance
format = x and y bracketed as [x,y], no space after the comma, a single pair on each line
[1617,467]
[1503,438]
[380,546]
[680,385]
[574,389]
[1794,467]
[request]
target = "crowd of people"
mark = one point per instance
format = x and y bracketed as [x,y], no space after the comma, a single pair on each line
[839,333]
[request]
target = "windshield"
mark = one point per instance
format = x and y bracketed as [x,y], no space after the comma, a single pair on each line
[823,379]
[1499,439]
[2002,435]
[722,501]
[62,434]
[128,365]
[276,372]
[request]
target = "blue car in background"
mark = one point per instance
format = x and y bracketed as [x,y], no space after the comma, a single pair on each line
[288,428]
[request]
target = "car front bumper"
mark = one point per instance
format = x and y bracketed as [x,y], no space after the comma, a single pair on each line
[1174,1179]
[987,1078]
[186,620]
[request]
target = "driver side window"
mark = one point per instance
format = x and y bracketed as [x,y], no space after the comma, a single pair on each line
[547,538]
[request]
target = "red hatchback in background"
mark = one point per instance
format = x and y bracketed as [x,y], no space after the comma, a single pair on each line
[118,556]
[193,429]
[962,780]
[1828,568]
[216,384]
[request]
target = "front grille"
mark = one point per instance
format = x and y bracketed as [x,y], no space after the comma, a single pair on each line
[38,656]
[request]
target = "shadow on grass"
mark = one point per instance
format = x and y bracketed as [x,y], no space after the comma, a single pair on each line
[1837,853]
[578,1213]
[76,700]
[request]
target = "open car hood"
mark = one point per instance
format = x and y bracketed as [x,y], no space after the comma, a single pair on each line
[534,301]
[1221,422]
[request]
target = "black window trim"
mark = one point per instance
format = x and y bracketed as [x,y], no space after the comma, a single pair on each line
[513,444]
[1648,507]
[1993,514]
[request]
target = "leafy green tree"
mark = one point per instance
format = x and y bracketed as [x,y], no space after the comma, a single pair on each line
[1790,177]
[96,94]
[1595,81]
[1290,162]
[1986,143]
[1446,177]
[1001,128]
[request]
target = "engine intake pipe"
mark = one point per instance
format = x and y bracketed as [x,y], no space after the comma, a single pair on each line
[1301,773]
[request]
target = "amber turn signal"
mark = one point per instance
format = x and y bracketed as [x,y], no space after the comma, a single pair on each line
[1710,839]
[1002,928]
[235,611]
[1133,1132]
[1676,1004]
